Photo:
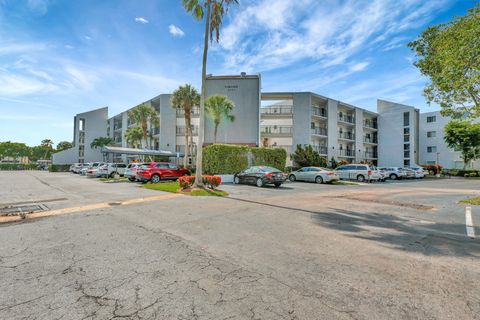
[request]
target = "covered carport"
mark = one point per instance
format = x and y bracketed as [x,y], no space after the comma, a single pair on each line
[141,153]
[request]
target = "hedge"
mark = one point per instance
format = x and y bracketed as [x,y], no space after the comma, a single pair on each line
[224,158]
[272,157]
[230,159]
[18,166]
[462,173]
[59,168]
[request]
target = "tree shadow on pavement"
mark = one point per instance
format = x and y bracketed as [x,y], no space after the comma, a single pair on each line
[401,233]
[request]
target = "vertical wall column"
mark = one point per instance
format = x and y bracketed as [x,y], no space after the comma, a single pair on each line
[302,118]
[359,155]
[332,139]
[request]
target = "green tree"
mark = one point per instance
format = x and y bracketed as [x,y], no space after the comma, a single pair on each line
[134,136]
[145,115]
[219,107]
[101,142]
[215,10]
[63,145]
[448,54]
[186,98]
[14,150]
[306,157]
[333,163]
[47,146]
[464,136]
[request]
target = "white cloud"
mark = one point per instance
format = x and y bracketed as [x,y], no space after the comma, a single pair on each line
[141,20]
[175,31]
[88,38]
[262,37]
[359,66]
[38,6]
[13,85]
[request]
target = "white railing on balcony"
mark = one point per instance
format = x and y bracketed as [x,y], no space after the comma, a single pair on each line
[181,130]
[280,130]
[347,153]
[319,131]
[320,149]
[320,112]
[280,110]
[368,123]
[346,118]
[346,135]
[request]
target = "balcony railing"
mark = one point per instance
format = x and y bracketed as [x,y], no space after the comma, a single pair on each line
[320,149]
[278,110]
[346,118]
[319,112]
[370,140]
[370,124]
[346,135]
[278,130]
[195,112]
[117,127]
[156,130]
[319,131]
[181,130]
[347,153]
[371,155]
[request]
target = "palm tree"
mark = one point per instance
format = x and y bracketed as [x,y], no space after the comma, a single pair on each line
[185,98]
[143,115]
[101,142]
[134,136]
[47,145]
[216,9]
[219,107]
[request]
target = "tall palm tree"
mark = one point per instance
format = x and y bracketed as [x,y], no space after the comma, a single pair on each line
[216,9]
[101,142]
[144,115]
[47,145]
[219,107]
[134,136]
[185,98]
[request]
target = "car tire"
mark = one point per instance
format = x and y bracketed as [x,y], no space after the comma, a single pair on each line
[236,180]
[292,178]
[319,180]
[360,178]
[277,185]
[259,182]
[111,175]
[155,178]
[393,177]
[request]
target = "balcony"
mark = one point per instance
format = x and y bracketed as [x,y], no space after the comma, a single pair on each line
[117,127]
[346,135]
[276,130]
[156,131]
[373,140]
[347,153]
[319,131]
[277,111]
[195,112]
[319,112]
[181,131]
[372,124]
[371,155]
[320,149]
[346,118]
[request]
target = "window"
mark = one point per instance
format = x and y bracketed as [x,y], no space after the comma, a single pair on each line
[312,125]
[431,119]
[431,134]
[81,151]
[172,166]
[406,119]
[161,165]
[406,130]
[81,137]
[406,163]
[406,138]
[81,124]
[406,146]
[432,149]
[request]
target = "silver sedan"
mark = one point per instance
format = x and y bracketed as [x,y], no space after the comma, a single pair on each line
[314,174]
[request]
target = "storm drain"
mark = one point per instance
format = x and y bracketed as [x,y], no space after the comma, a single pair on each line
[19,210]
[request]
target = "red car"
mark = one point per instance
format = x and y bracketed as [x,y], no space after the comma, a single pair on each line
[156,171]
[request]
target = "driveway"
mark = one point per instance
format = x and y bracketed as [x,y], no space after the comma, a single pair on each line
[304,251]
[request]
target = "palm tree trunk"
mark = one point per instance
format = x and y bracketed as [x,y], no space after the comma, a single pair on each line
[201,127]
[185,153]
[215,132]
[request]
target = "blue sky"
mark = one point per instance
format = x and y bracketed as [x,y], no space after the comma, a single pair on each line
[60,57]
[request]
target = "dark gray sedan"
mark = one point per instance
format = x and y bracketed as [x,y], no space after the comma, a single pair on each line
[260,176]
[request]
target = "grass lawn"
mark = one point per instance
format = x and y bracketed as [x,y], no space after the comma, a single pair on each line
[344,183]
[173,186]
[473,201]
[121,179]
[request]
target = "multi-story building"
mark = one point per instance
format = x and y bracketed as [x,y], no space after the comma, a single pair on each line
[395,135]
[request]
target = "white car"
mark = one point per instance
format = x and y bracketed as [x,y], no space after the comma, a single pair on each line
[419,173]
[131,171]
[93,169]
[359,172]
[394,173]
[313,174]
[108,170]
[78,167]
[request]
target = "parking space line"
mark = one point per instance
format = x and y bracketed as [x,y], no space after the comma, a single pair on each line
[95,206]
[469,223]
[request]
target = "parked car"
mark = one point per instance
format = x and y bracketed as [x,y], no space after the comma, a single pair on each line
[156,171]
[314,174]
[131,170]
[73,166]
[92,171]
[410,174]
[108,170]
[78,167]
[419,172]
[83,172]
[382,173]
[260,176]
[359,172]
[394,173]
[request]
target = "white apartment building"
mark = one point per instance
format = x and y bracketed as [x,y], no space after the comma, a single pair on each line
[395,135]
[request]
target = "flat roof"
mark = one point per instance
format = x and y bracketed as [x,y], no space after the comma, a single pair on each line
[143,152]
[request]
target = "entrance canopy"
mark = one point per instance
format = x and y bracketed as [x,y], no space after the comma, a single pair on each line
[141,152]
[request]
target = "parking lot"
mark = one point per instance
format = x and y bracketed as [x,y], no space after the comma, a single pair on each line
[391,250]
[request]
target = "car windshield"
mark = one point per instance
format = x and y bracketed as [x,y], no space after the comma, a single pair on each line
[268,169]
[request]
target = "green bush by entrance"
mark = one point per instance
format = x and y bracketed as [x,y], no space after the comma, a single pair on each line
[59,168]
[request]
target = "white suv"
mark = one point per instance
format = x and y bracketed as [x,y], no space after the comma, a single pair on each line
[108,170]
[359,172]
[394,173]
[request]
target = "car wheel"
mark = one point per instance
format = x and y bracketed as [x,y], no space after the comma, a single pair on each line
[155,178]
[236,180]
[360,178]
[111,175]
[393,177]
[277,185]
[292,178]
[259,182]
[319,180]
[131,179]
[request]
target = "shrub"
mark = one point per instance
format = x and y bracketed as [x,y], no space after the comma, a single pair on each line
[224,158]
[18,166]
[271,157]
[212,182]
[433,168]
[59,168]
[186,182]
[306,156]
